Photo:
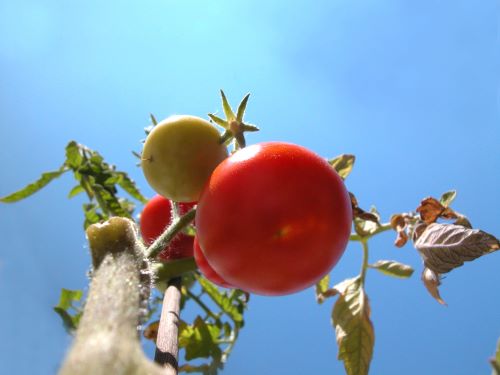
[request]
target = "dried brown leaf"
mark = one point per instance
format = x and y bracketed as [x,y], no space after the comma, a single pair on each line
[401,239]
[463,221]
[431,281]
[445,247]
[151,331]
[398,223]
[430,210]
[418,229]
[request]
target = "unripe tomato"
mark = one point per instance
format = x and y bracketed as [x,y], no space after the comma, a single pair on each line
[179,155]
[155,218]
[273,219]
[205,268]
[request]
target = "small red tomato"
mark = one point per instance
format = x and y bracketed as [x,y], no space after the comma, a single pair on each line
[205,268]
[155,218]
[273,219]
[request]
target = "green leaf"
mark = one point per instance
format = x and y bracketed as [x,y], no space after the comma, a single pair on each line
[127,184]
[32,188]
[322,285]
[354,330]
[392,268]
[227,108]
[448,197]
[241,108]
[91,215]
[67,301]
[221,299]
[199,340]
[74,157]
[218,121]
[75,191]
[109,202]
[67,298]
[343,164]
[154,121]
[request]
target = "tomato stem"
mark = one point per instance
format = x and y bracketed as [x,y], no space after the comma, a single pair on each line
[200,303]
[382,228]
[364,264]
[164,239]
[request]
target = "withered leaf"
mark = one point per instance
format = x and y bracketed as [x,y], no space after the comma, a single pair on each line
[430,210]
[463,221]
[353,327]
[151,331]
[445,247]
[401,239]
[358,212]
[431,281]
[398,223]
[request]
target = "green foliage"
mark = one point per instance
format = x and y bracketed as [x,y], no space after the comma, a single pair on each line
[69,308]
[448,197]
[343,164]
[32,188]
[353,327]
[98,179]
[213,334]
[392,268]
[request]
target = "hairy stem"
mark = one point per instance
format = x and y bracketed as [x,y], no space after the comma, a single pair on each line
[107,340]
[165,238]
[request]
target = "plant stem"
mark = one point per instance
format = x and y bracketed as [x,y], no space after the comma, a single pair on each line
[382,228]
[364,264]
[167,342]
[232,342]
[165,238]
[201,303]
[106,341]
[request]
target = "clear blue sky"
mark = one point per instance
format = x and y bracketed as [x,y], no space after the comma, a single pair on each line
[410,88]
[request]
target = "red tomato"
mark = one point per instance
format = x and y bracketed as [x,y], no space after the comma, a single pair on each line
[205,268]
[273,219]
[155,218]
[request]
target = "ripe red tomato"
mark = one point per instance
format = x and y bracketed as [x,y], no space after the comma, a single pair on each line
[273,219]
[205,268]
[155,218]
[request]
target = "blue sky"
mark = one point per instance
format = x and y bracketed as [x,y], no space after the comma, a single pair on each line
[410,88]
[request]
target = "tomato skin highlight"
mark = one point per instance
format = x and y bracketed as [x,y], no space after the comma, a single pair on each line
[205,268]
[274,218]
[155,218]
[179,155]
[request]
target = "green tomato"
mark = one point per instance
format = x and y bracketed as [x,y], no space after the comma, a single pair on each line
[179,156]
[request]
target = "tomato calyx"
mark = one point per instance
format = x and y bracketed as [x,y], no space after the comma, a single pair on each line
[233,124]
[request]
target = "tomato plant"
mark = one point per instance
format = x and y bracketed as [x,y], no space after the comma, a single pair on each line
[155,218]
[273,218]
[205,268]
[179,155]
